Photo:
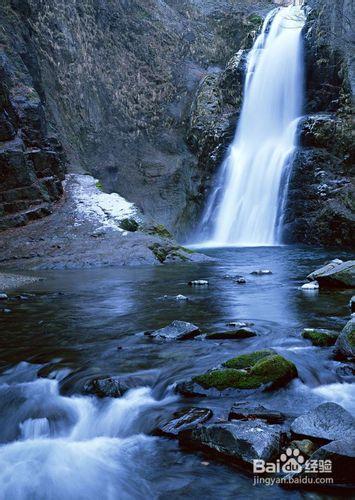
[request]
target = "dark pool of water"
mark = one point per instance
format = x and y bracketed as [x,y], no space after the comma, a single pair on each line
[80,324]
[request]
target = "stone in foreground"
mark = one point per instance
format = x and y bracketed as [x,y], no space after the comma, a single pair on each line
[336,274]
[245,411]
[177,330]
[238,440]
[261,369]
[328,421]
[320,337]
[345,345]
[183,420]
[241,333]
[339,455]
[109,387]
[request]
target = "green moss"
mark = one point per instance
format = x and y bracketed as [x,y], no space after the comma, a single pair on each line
[129,224]
[187,250]
[351,338]
[160,230]
[247,360]
[99,185]
[260,368]
[159,251]
[320,338]
[255,19]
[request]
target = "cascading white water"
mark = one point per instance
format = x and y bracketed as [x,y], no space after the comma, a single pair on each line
[244,208]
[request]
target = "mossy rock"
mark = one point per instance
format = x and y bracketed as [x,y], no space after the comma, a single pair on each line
[248,360]
[170,252]
[99,186]
[129,224]
[160,230]
[250,371]
[320,337]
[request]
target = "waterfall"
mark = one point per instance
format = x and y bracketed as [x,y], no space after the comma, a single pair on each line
[245,207]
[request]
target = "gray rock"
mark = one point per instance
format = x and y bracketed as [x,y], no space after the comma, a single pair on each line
[183,420]
[240,333]
[345,345]
[239,324]
[238,440]
[336,274]
[177,330]
[341,453]
[327,421]
[3,296]
[261,272]
[245,411]
[241,281]
[110,387]
[310,286]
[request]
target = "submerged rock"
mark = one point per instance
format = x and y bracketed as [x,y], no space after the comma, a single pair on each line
[238,440]
[261,272]
[336,274]
[241,281]
[320,337]
[181,297]
[177,330]
[245,411]
[239,324]
[261,369]
[111,387]
[328,421]
[183,420]
[345,344]
[241,333]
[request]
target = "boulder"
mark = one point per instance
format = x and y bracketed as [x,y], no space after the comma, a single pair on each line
[336,274]
[245,411]
[328,421]
[320,337]
[183,420]
[345,345]
[261,369]
[108,387]
[240,333]
[177,330]
[341,453]
[239,440]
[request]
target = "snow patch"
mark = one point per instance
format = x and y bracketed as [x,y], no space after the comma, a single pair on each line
[98,207]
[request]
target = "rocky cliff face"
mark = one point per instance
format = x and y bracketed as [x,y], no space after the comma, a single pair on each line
[31,157]
[116,78]
[320,207]
[137,94]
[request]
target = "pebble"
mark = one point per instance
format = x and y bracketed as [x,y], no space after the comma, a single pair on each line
[181,297]
[198,283]
[310,286]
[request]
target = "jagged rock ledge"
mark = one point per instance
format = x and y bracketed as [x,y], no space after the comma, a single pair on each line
[90,228]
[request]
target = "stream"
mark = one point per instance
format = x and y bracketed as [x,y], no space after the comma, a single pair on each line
[74,325]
